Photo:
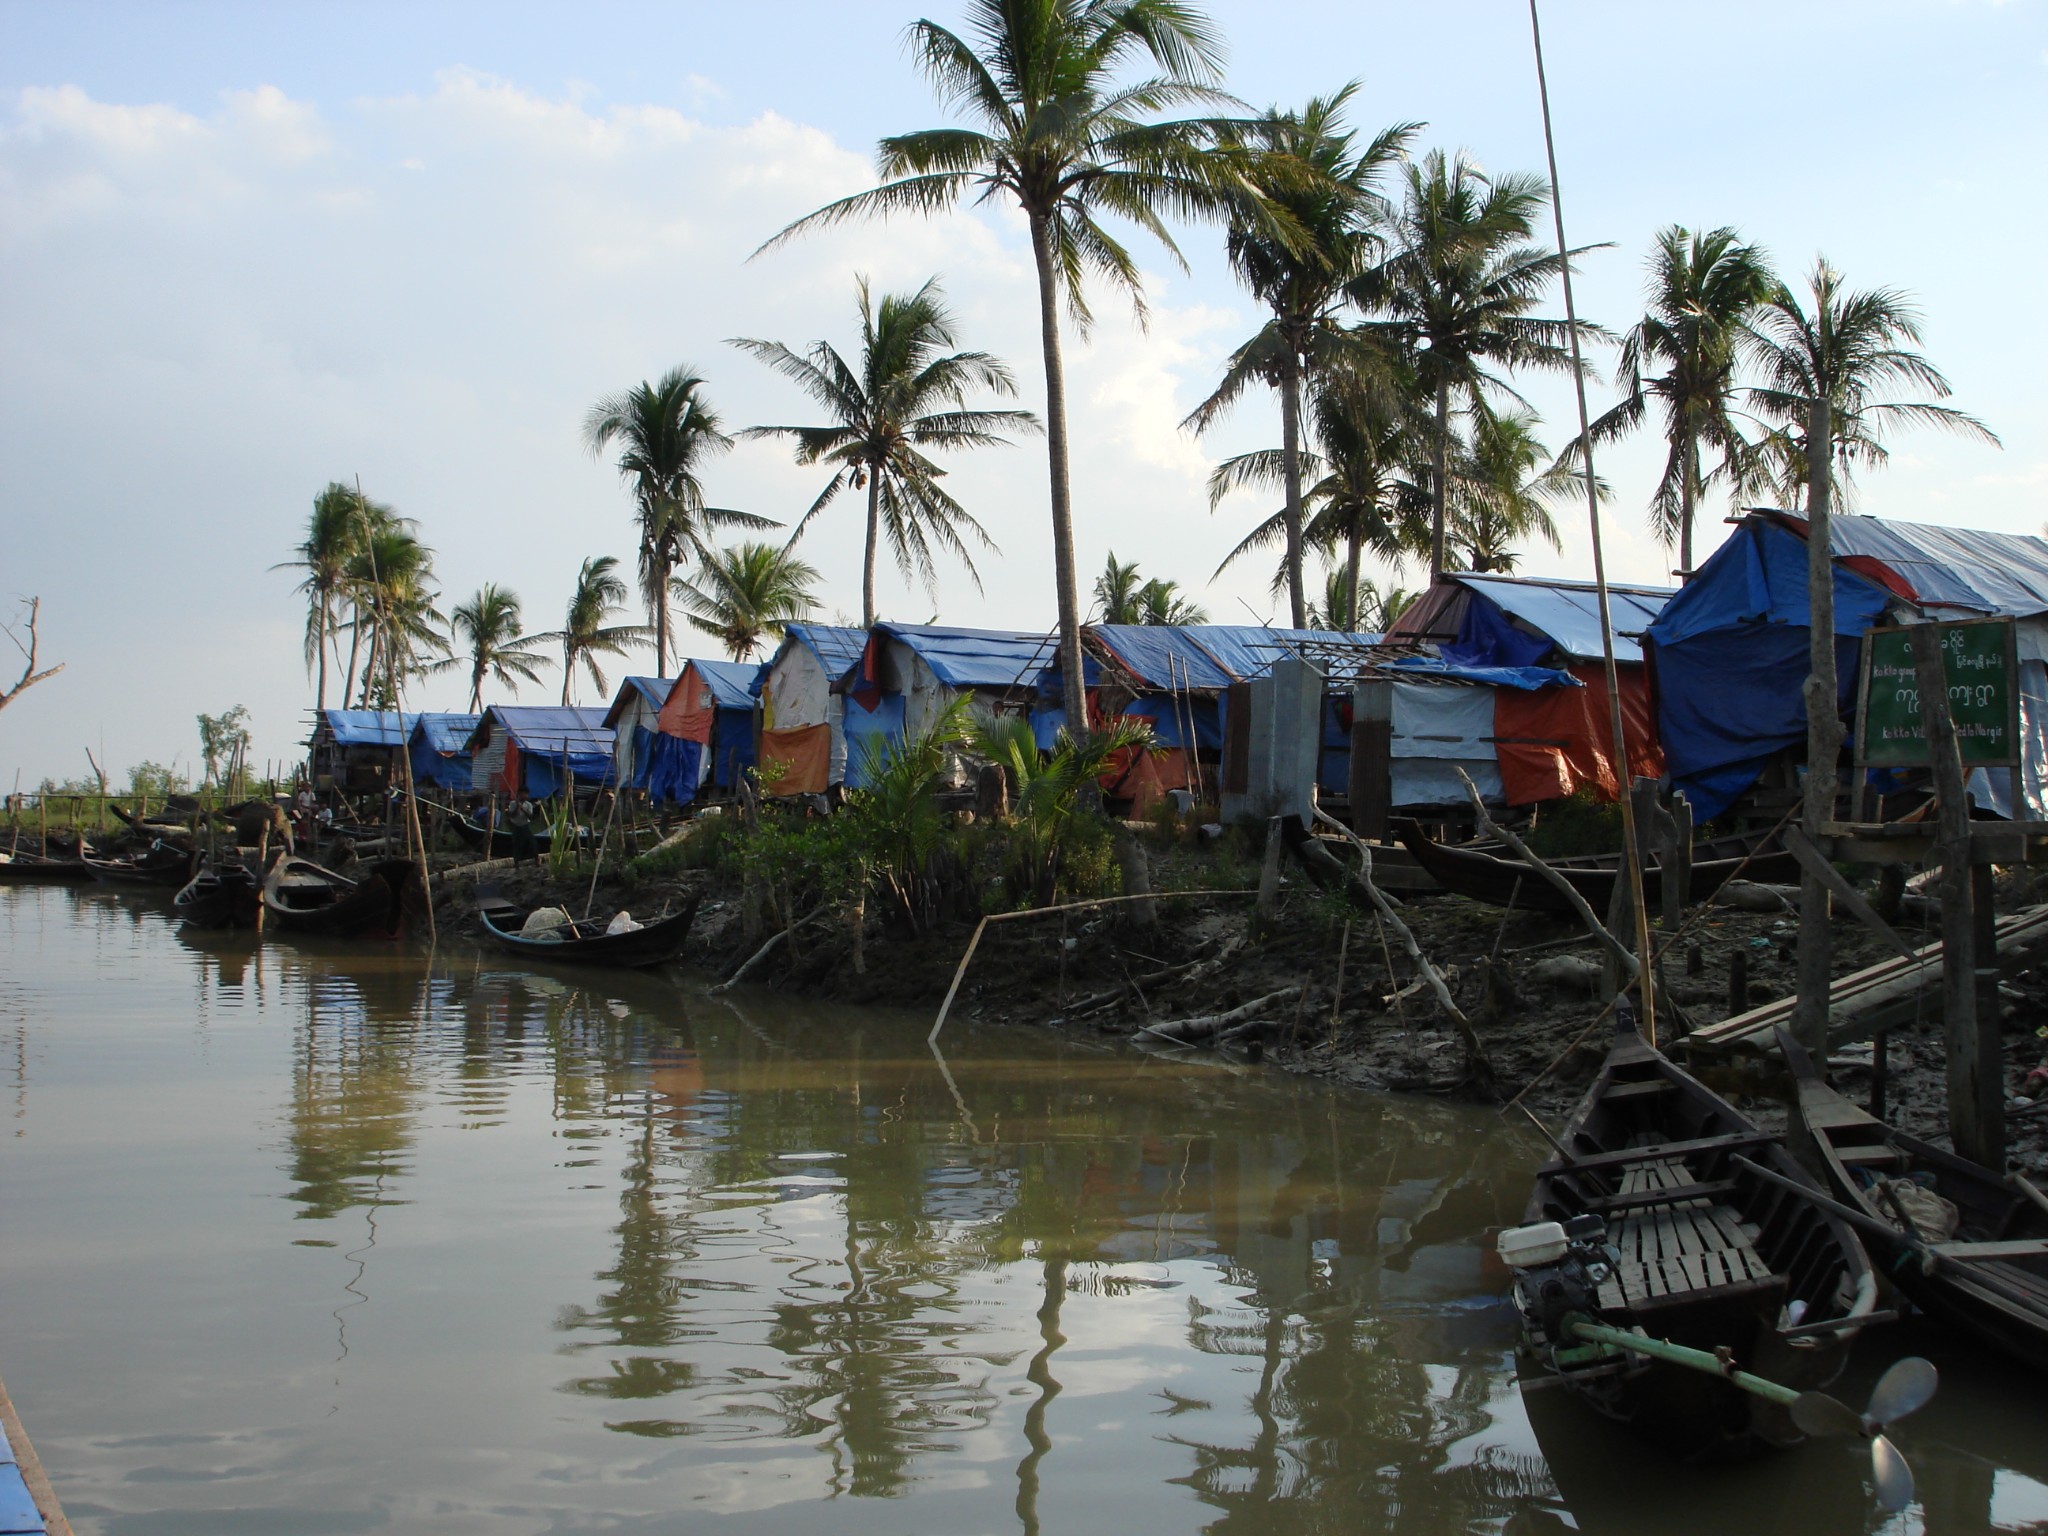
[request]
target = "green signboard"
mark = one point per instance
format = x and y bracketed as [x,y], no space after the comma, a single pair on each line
[1977,657]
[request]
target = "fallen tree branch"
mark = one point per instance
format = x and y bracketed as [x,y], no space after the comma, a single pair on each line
[1475,1056]
[1628,962]
[960,971]
[761,954]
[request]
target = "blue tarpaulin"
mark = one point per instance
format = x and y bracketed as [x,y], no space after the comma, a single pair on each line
[836,646]
[1162,656]
[439,748]
[1567,613]
[549,735]
[1247,651]
[666,767]
[1730,656]
[369,727]
[731,682]
[870,733]
[965,658]
[1529,678]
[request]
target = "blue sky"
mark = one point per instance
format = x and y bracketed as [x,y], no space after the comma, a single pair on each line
[248,249]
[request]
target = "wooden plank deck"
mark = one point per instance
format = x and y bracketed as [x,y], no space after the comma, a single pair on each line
[1675,1242]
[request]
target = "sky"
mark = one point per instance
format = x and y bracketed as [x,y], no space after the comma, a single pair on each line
[246,250]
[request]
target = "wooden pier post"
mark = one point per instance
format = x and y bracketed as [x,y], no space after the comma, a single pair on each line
[1976,1087]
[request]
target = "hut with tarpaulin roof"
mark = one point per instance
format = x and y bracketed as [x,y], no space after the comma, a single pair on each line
[1729,653]
[631,717]
[527,749]
[439,746]
[802,743]
[710,716]
[1504,677]
[908,675]
[356,750]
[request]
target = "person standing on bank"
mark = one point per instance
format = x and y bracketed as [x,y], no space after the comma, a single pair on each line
[519,823]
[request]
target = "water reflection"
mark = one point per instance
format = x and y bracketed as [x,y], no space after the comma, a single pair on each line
[660,1252]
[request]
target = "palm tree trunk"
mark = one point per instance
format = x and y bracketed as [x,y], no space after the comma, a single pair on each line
[1440,473]
[355,640]
[1072,685]
[1688,494]
[1354,547]
[867,570]
[1290,471]
[326,629]
[1823,731]
[569,669]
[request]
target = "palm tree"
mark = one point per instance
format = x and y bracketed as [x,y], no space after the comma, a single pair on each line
[1066,142]
[1454,293]
[333,532]
[1371,492]
[1305,164]
[488,625]
[747,593]
[587,632]
[1502,491]
[885,423]
[1847,351]
[390,581]
[665,432]
[1825,373]
[1123,598]
[1703,290]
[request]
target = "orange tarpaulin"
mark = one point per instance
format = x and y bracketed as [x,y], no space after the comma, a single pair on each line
[691,709]
[1553,742]
[807,749]
[1143,775]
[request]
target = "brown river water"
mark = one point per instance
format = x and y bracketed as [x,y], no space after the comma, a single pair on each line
[307,1239]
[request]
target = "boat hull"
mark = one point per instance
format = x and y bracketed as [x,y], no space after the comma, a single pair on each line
[656,944]
[1507,881]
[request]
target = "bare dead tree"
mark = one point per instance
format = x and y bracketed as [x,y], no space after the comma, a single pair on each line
[29,675]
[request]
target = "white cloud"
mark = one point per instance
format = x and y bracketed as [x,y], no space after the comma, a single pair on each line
[225,310]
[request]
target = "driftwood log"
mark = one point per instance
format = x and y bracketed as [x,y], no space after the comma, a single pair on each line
[1219,1028]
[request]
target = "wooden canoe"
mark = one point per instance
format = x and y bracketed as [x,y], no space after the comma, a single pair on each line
[160,864]
[34,869]
[587,943]
[224,896]
[1697,1250]
[303,897]
[1501,879]
[1990,1278]
[475,837]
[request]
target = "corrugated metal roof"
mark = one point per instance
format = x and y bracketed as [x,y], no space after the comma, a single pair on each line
[731,682]
[445,733]
[654,690]
[974,658]
[1970,569]
[369,727]
[1569,611]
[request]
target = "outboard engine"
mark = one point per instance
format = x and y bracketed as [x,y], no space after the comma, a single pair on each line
[1559,1269]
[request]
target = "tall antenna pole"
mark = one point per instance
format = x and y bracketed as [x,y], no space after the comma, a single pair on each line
[1630,843]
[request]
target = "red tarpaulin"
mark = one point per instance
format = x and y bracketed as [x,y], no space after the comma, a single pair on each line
[1553,742]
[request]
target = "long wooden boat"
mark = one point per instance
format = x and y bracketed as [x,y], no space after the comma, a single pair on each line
[160,864]
[476,837]
[1989,1276]
[1667,1232]
[36,869]
[303,897]
[219,896]
[1501,879]
[587,943]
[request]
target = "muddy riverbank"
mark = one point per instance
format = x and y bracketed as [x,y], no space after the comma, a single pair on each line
[1334,994]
